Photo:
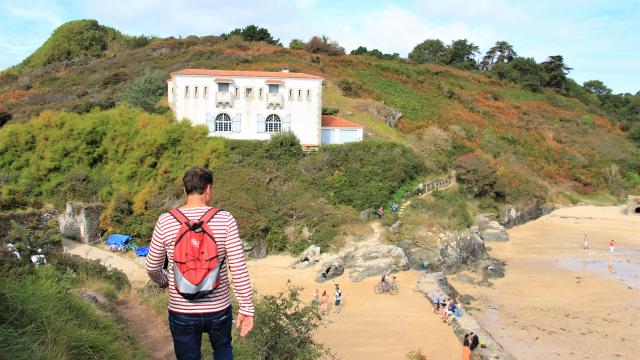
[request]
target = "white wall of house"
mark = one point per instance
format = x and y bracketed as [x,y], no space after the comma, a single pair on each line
[202,98]
[340,135]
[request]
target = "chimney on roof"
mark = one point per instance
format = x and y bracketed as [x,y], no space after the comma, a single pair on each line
[285,69]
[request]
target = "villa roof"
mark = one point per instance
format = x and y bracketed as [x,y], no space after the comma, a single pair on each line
[336,122]
[265,74]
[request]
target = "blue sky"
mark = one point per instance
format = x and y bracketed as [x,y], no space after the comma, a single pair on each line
[599,39]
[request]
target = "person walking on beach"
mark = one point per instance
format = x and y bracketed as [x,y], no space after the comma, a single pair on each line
[201,302]
[316,298]
[338,295]
[466,350]
[585,245]
[612,246]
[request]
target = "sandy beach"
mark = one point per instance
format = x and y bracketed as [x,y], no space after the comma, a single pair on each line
[558,301]
[369,326]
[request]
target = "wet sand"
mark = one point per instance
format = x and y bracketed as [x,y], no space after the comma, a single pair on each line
[369,326]
[558,301]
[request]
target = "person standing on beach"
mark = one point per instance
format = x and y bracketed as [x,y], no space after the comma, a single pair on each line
[338,295]
[316,298]
[585,245]
[324,303]
[612,246]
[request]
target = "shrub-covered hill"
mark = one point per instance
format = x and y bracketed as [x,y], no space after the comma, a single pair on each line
[133,161]
[507,144]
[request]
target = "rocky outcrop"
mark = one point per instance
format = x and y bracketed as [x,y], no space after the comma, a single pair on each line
[365,260]
[330,269]
[390,115]
[309,257]
[81,221]
[633,205]
[511,216]
[490,230]
[457,249]
[434,285]
[256,251]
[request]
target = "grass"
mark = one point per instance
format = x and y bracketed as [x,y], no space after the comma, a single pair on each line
[413,104]
[373,125]
[42,318]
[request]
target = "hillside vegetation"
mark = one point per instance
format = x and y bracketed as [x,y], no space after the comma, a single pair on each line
[44,318]
[508,144]
[134,161]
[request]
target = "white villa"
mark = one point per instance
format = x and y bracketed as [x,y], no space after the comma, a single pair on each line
[253,105]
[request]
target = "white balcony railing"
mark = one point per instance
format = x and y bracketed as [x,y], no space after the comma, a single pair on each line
[224,99]
[274,100]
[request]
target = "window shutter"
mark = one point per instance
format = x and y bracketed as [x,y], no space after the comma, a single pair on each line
[286,124]
[261,124]
[235,124]
[211,123]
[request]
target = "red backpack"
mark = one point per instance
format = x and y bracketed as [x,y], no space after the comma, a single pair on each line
[196,265]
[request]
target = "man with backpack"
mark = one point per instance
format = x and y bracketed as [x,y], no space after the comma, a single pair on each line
[200,243]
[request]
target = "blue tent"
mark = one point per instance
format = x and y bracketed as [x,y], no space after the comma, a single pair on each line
[143,251]
[118,240]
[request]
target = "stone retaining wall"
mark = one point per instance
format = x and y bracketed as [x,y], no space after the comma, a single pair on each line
[436,283]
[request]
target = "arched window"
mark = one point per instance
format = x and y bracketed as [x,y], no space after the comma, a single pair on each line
[223,123]
[273,123]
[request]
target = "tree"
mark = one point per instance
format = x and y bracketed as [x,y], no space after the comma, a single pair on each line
[429,51]
[596,87]
[501,52]
[145,92]
[520,70]
[461,53]
[555,72]
[361,50]
[322,44]
[253,33]
[634,133]
[477,174]
[297,44]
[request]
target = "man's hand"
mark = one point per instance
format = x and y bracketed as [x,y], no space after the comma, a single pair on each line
[244,323]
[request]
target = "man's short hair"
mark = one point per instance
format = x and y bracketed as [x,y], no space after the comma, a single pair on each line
[196,180]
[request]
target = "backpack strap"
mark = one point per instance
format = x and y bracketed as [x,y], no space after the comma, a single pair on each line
[207,216]
[180,217]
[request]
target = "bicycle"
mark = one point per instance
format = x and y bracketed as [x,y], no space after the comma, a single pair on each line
[391,288]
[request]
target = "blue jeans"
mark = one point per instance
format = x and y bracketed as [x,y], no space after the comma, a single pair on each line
[187,330]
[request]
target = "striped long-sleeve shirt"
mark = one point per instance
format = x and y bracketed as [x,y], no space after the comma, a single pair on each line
[225,231]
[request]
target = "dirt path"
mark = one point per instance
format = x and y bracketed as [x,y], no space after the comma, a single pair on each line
[150,330]
[152,333]
[135,272]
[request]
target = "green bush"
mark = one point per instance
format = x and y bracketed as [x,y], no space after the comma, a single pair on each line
[284,327]
[634,133]
[145,92]
[364,174]
[478,175]
[348,87]
[451,206]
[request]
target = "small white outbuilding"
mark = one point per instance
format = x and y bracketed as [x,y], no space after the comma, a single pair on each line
[339,131]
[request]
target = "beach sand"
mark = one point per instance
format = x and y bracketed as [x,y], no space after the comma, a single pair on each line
[558,301]
[369,326]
